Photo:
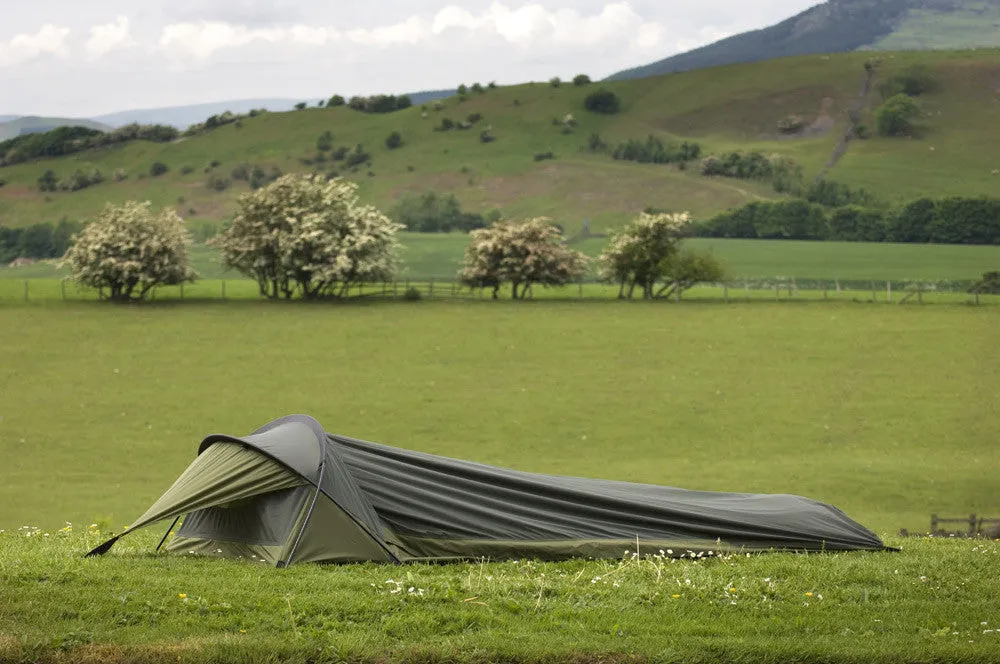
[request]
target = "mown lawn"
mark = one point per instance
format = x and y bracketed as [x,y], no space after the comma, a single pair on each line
[931,602]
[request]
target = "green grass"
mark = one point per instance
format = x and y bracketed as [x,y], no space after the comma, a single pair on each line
[428,255]
[735,107]
[976,23]
[929,603]
[886,411]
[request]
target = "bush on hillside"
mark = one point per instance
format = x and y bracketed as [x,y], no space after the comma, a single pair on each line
[335,101]
[38,241]
[379,103]
[158,168]
[308,236]
[602,101]
[435,213]
[358,156]
[241,172]
[543,156]
[791,124]
[655,151]
[486,135]
[447,124]
[477,88]
[128,250]
[187,169]
[915,80]
[217,182]
[119,175]
[990,283]
[325,141]
[301,106]
[81,180]
[581,80]
[259,177]
[897,116]
[394,140]
[69,140]
[48,181]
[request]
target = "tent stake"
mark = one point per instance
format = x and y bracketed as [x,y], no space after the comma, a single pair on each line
[172,524]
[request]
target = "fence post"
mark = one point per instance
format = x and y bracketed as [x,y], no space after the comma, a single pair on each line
[430,289]
[25,290]
[972,524]
[746,288]
[791,285]
[920,293]
[223,289]
[837,282]
[934,523]
[874,297]
[977,297]
[725,291]
[888,290]
[826,295]
[777,292]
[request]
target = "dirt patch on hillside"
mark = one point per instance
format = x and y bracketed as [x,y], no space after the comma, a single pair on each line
[821,126]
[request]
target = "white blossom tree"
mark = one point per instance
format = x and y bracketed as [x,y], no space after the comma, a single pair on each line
[523,253]
[306,235]
[129,250]
[647,254]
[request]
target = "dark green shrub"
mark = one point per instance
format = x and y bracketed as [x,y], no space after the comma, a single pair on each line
[655,151]
[158,168]
[187,170]
[301,106]
[581,80]
[474,118]
[435,213]
[334,101]
[394,140]
[915,80]
[555,81]
[477,88]
[462,89]
[48,181]
[897,116]
[241,172]
[486,136]
[358,156]
[217,183]
[791,124]
[340,153]
[602,101]
[325,142]
[543,156]
[412,294]
[447,124]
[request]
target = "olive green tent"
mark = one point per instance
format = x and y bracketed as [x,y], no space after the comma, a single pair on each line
[290,492]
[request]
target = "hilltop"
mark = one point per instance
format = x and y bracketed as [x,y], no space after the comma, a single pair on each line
[840,26]
[725,108]
[15,126]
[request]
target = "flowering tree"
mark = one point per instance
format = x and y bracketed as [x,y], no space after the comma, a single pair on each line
[523,253]
[308,235]
[646,254]
[130,250]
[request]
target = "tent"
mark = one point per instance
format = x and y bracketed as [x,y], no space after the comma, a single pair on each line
[290,492]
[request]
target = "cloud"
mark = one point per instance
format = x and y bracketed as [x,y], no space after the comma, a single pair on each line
[528,26]
[109,37]
[49,40]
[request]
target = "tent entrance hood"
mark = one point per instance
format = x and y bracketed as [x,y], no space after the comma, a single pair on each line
[290,492]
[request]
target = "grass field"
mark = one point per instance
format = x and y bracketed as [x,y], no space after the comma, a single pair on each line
[930,603]
[428,255]
[735,107]
[888,412]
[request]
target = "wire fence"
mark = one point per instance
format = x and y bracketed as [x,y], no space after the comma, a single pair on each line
[775,289]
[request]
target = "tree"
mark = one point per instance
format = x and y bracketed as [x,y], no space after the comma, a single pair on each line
[306,235]
[602,101]
[896,116]
[158,168]
[523,253]
[646,254]
[49,181]
[477,88]
[394,140]
[334,101]
[301,106]
[129,250]
[463,89]
[435,213]
[581,80]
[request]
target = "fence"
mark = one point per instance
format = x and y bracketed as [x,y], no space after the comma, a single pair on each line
[776,289]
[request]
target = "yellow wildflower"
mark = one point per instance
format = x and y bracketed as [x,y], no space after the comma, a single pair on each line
[809,594]
[182,595]
[676,596]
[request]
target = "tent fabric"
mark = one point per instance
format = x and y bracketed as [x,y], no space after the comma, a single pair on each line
[290,492]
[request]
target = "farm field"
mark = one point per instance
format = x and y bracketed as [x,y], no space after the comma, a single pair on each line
[887,412]
[427,255]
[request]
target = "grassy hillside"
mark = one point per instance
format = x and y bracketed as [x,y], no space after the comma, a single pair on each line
[975,23]
[725,108]
[19,125]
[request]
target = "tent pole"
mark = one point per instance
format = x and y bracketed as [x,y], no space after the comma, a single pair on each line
[172,524]
[305,522]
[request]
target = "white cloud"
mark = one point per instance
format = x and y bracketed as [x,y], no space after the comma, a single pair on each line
[528,26]
[109,37]
[49,40]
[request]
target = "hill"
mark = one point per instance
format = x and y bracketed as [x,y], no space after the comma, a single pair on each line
[839,26]
[725,108]
[31,125]
[183,117]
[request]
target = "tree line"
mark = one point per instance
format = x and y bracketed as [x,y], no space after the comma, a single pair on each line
[69,140]
[952,220]
[309,237]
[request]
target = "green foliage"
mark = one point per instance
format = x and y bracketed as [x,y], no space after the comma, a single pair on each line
[431,212]
[462,89]
[447,124]
[216,182]
[357,157]
[835,194]
[187,169]
[897,116]
[555,81]
[301,106]
[477,88]
[602,101]
[325,142]
[990,283]
[240,172]
[655,151]
[913,81]
[259,177]
[543,156]
[81,180]
[394,140]
[48,181]
[335,101]
[787,220]
[853,223]
[486,136]
[158,168]
[69,140]
[413,294]
[38,241]
[379,103]
[581,80]
[474,118]
[596,144]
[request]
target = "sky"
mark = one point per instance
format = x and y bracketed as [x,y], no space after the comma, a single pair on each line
[78,59]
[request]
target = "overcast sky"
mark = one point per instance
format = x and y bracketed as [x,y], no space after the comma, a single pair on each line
[68,57]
